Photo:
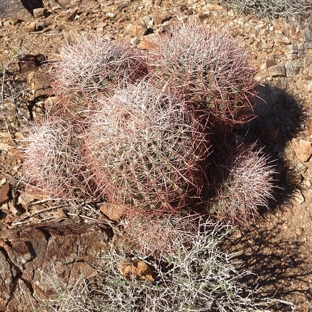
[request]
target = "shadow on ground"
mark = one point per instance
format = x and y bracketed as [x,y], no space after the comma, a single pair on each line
[280,117]
[280,270]
[279,258]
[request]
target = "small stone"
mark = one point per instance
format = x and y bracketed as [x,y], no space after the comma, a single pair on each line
[298,197]
[307,183]
[135,269]
[269,62]
[35,193]
[148,21]
[264,32]
[292,52]
[100,25]
[55,5]
[110,15]
[72,15]
[129,29]
[31,27]
[5,147]
[75,2]
[277,71]
[210,7]
[113,212]
[13,209]
[301,168]
[267,44]
[294,67]
[307,60]
[293,48]
[147,2]
[308,86]
[308,45]
[4,193]
[149,42]
[99,30]
[25,200]
[140,30]
[302,148]
[135,41]
[307,35]
[39,12]
[160,17]
[280,38]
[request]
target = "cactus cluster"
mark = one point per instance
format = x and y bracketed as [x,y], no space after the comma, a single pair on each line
[145,136]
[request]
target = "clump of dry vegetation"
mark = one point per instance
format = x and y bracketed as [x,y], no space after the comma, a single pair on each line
[270,9]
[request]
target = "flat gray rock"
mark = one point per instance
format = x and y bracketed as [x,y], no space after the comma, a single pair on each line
[18,9]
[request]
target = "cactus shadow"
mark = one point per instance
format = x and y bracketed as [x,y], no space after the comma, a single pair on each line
[280,118]
[279,270]
[279,258]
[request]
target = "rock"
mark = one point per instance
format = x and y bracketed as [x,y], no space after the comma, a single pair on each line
[25,200]
[294,67]
[148,21]
[298,197]
[210,7]
[302,148]
[267,44]
[129,29]
[72,15]
[280,38]
[31,26]
[135,269]
[160,17]
[39,12]
[19,10]
[30,62]
[292,52]
[277,70]
[149,42]
[113,212]
[40,83]
[309,85]
[4,193]
[5,146]
[33,258]
[135,41]
[308,45]
[307,35]
[140,30]
[34,193]
[55,5]
[269,62]
[15,152]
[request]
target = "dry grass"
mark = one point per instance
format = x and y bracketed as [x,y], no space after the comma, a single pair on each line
[270,9]
[197,276]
